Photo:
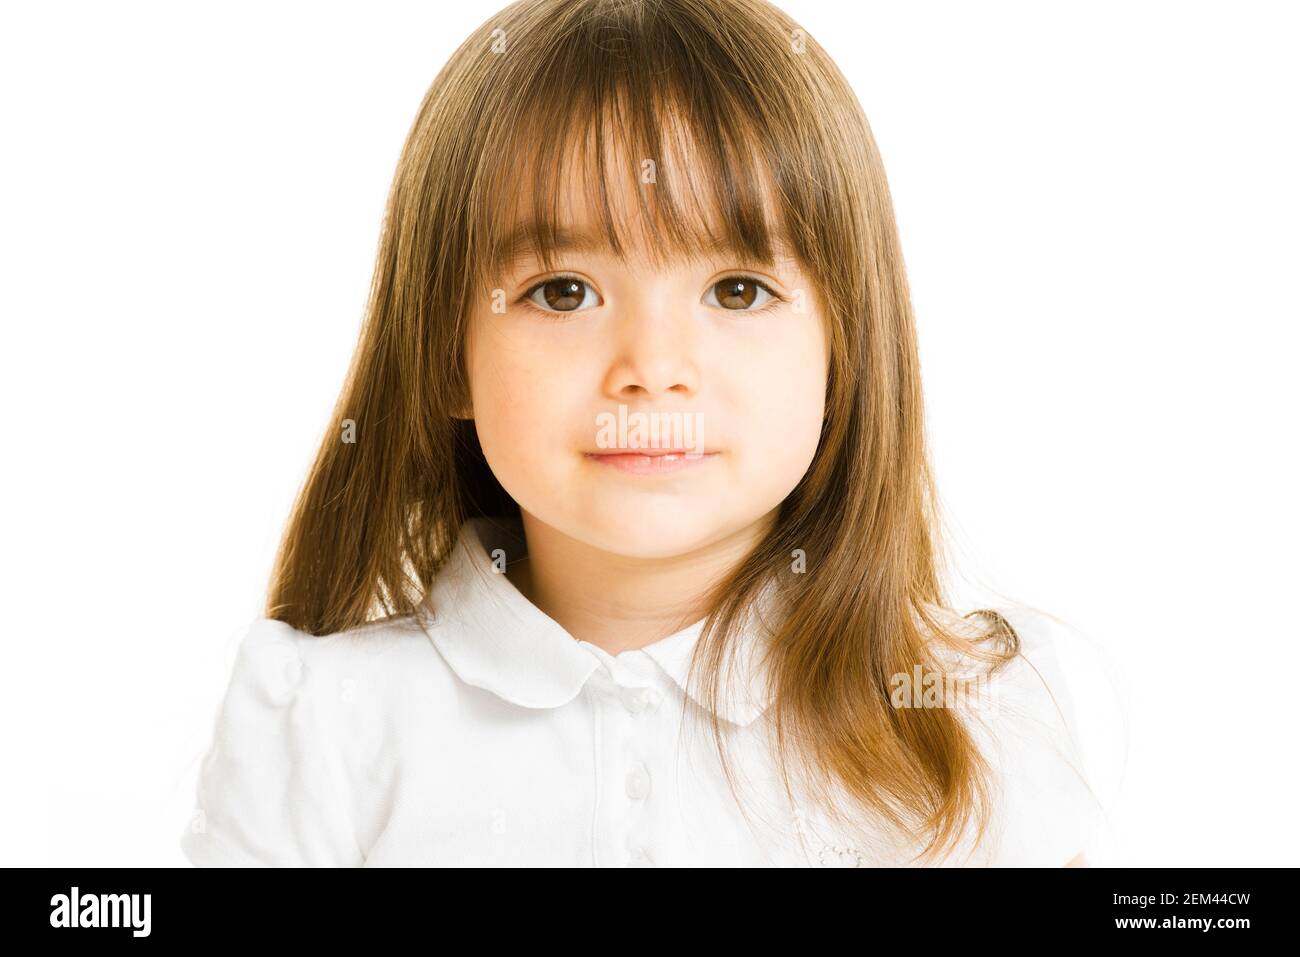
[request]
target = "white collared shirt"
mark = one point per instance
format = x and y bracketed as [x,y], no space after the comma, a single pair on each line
[484,734]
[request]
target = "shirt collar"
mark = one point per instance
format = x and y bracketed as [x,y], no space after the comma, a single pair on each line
[496,639]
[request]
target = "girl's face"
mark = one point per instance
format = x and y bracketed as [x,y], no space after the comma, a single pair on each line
[569,368]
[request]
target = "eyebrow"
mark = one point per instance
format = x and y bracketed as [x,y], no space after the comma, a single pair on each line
[525,237]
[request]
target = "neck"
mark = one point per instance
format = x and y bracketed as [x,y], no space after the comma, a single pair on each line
[621,603]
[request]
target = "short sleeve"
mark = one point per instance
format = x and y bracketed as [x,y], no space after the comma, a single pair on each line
[271,786]
[1045,809]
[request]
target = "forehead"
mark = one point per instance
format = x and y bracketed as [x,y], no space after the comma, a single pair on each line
[608,198]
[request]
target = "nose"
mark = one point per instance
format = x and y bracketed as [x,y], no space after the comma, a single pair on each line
[655,350]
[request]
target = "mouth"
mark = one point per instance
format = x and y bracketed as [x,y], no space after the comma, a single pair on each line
[657,461]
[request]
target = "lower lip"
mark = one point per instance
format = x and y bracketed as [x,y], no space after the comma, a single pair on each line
[635,464]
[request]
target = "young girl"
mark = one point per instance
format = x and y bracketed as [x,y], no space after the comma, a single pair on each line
[631,448]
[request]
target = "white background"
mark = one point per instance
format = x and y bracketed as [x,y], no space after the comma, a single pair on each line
[1098,206]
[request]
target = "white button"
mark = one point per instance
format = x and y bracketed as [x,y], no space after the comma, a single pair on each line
[637,782]
[635,699]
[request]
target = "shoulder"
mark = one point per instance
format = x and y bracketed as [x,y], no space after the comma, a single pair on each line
[356,694]
[304,738]
[1028,725]
[353,675]
[1033,691]
[1034,643]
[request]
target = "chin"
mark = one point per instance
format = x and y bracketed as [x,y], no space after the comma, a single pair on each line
[650,529]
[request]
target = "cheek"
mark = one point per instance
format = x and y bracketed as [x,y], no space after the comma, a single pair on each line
[519,402]
[783,389]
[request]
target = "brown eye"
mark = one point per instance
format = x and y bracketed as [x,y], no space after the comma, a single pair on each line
[739,294]
[561,294]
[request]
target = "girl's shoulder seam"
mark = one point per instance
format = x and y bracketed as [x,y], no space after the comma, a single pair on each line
[354,646]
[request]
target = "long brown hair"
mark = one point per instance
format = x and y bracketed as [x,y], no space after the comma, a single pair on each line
[773,124]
